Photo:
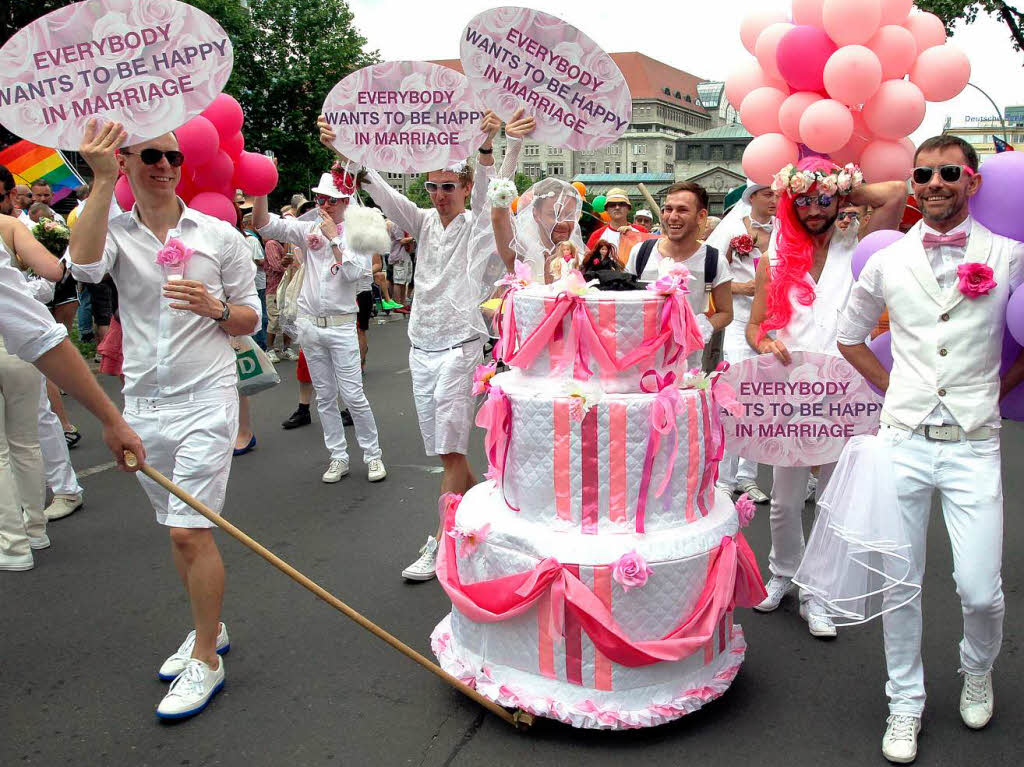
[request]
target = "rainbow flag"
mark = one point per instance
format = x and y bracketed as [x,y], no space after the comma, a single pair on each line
[30,162]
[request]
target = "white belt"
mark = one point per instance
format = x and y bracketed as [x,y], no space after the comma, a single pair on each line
[330,320]
[138,404]
[947,433]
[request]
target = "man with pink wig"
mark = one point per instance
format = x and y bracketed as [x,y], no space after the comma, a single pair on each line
[799,290]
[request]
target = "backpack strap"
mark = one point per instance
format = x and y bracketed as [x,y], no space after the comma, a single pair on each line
[646,248]
[710,267]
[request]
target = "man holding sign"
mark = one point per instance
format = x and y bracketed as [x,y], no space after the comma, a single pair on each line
[186,283]
[446,329]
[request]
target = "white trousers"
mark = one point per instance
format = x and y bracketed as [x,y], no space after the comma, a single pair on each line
[332,355]
[968,477]
[733,469]
[789,494]
[21,465]
[60,474]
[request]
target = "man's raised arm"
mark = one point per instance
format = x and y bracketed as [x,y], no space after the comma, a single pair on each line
[98,148]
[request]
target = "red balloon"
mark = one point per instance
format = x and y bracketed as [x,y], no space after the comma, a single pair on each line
[123,193]
[255,174]
[226,114]
[802,55]
[234,145]
[198,140]
[216,205]
[215,175]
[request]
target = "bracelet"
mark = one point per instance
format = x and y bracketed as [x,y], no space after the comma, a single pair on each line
[481,150]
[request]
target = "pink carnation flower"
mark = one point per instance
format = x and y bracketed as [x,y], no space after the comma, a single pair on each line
[631,571]
[315,241]
[174,253]
[745,508]
[482,377]
[975,279]
[519,278]
[469,540]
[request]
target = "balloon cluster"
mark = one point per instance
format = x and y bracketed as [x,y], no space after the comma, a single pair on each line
[216,163]
[844,78]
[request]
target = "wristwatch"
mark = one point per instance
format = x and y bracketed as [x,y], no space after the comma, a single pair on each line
[225,315]
[337,241]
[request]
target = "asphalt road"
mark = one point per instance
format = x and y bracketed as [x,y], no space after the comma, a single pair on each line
[87,629]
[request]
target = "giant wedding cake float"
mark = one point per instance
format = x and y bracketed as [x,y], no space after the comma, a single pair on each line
[594,575]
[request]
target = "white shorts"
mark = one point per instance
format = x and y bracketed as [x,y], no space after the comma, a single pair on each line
[401,272]
[442,386]
[189,442]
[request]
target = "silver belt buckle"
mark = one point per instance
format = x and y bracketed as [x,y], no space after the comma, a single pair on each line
[321,322]
[942,433]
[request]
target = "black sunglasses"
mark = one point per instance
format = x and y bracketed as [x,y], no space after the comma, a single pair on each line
[447,187]
[152,156]
[948,173]
[843,215]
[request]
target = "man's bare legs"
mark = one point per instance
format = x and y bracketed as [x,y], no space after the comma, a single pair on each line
[199,565]
[458,478]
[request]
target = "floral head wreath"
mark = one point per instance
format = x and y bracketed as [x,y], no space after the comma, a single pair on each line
[842,181]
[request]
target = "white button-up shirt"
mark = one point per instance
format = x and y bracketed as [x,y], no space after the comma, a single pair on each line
[172,352]
[328,287]
[27,328]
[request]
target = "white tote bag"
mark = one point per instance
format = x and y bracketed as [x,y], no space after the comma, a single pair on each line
[255,370]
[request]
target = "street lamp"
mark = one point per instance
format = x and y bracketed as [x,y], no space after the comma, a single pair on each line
[999,112]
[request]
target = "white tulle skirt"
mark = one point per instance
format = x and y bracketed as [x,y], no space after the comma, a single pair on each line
[858,560]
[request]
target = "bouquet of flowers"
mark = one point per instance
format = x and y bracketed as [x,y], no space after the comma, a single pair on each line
[53,235]
[742,244]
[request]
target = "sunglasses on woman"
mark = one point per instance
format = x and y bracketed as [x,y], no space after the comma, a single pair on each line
[153,156]
[447,187]
[823,200]
[948,173]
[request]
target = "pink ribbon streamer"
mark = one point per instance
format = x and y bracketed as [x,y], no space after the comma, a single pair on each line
[495,417]
[733,580]
[664,410]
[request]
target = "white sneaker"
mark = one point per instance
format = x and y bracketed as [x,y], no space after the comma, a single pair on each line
[291,355]
[272,356]
[725,487]
[899,744]
[63,505]
[818,623]
[377,472]
[176,663]
[423,568]
[754,493]
[335,471]
[42,542]
[977,700]
[191,690]
[17,562]
[812,488]
[777,588]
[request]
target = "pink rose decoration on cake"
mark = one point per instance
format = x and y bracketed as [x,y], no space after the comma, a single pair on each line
[672,281]
[469,540]
[519,278]
[315,241]
[482,377]
[745,508]
[582,395]
[631,571]
[975,279]
[174,253]
[575,285]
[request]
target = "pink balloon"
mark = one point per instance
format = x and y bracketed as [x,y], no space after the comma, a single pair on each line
[851,22]
[198,140]
[216,205]
[927,29]
[886,161]
[808,12]
[908,144]
[896,110]
[768,154]
[767,48]
[226,114]
[896,49]
[941,72]
[755,22]
[123,193]
[746,77]
[896,11]
[759,111]
[233,145]
[802,55]
[854,148]
[792,110]
[826,126]
[185,189]
[853,74]
[215,175]
[255,174]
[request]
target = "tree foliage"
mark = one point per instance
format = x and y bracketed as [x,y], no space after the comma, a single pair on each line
[951,11]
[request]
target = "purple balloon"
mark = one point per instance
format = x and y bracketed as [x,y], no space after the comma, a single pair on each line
[871,244]
[801,57]
[882,348]
[997,204]
[1015,316]
[1012,406]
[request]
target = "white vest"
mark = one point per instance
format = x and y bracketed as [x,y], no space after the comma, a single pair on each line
[946,347]
[815,328]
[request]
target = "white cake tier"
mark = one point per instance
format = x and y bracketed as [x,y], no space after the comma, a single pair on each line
[624,319]
[519,659]
[587,475]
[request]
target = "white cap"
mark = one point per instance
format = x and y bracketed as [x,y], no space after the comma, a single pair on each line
[643,212]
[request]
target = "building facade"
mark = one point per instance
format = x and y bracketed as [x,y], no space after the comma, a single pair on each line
[979,130]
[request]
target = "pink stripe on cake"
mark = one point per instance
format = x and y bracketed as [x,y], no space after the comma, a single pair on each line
[573,640]
[707,482]
[557,338]
[728,618]
[603,591]
[709,652]
[693,458]
[563,490]
[545,642]
[651,323]
[590,479]
[617,461]
[606,327]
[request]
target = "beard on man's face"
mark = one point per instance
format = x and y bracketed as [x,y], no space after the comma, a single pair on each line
[818,223]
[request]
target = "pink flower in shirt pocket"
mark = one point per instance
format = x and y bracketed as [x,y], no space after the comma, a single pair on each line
[315,241]
[975,279]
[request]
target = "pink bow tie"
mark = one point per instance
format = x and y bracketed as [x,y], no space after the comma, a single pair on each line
[958,240]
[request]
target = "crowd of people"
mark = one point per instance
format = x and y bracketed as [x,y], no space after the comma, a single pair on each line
[774,276]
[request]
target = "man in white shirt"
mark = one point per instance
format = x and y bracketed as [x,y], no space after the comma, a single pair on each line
[328,310]
[40,192]
[446,328]
[179,367]
[941,417]
[683,214]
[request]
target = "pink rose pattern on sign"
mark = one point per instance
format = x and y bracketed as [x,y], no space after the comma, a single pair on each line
[564,39]
[173,26]
[405,77]
[797,449]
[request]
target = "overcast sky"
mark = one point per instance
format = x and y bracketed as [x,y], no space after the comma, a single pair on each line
[698,36]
